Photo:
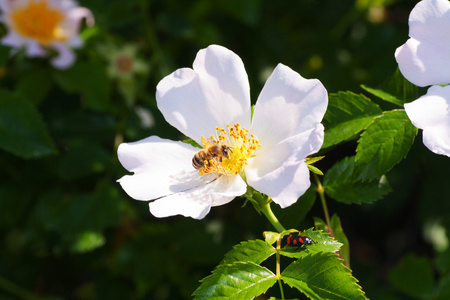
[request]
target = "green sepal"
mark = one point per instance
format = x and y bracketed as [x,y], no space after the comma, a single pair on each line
[315,170]
[192,143]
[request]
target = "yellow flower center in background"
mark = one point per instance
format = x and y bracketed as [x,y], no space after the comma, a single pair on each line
[241,145]
[39,21]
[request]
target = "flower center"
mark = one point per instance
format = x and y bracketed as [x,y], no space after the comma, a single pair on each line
[236,146]
[39,21]
[124,64]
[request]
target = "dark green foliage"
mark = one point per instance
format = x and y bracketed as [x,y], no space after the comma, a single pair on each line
[68,231]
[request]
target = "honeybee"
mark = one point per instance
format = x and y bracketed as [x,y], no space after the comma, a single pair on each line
[214,152]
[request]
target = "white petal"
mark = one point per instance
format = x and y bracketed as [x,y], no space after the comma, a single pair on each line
[4,6]
[73,23]
[288,105]
[427,19]
[214,93]
[34,49]
[431,113]
[76,15]
[423,63]
[423,59]
[281,171]
[161,167]
[196,206]
[197,202]
[65,58]
[13,40]
[228,188]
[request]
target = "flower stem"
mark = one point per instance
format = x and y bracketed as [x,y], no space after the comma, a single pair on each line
[267,211]
[321,192]
[278,267]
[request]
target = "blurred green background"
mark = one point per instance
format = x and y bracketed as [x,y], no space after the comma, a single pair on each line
[67,229]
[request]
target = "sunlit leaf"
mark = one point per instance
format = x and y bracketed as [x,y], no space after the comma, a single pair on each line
[240,280]
[346,116]
[340,236]
[255,251]
[322,242]
[322,276]
[384,144]
[87,241]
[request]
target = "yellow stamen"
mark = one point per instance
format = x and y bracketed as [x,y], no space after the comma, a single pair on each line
[39,21]
[241,146]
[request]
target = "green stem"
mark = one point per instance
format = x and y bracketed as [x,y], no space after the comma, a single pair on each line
[278,268]
[267,211]
[321,193]
[281,289]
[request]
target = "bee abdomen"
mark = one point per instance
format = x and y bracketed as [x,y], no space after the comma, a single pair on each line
[198,161]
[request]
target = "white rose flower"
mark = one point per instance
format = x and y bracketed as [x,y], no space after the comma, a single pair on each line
[425,60]
[211,104]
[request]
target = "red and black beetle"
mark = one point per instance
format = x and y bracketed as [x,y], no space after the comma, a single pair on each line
[298,240]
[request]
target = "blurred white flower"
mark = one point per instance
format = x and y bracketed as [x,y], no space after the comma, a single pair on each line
[211,104]
[40,25]
[425,60]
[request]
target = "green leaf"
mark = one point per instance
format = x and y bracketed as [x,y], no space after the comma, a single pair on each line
[22,131]
[240,280]
[5,54]
[340,185]
[90,80]
[442,291]
[322,276]
[82,161]
[384,144]
[383,95]
[323,242]
[396,89]
[88,241]
[346,116]
[35,84]
[414,277]
[270,237]
[71,214]
[255,251]
[340,236]
[15,201]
